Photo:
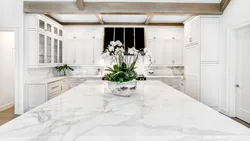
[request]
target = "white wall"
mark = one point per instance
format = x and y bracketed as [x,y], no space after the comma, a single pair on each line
[7,45]
[11,17]
[237,12]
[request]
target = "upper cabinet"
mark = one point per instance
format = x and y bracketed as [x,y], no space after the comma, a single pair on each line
[83,46]
[44,41]
[192,31]
[166,46]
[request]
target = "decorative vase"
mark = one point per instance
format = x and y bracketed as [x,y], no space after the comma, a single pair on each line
[124,89]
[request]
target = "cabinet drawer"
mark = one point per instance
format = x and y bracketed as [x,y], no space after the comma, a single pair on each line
[54,87]
[53,95]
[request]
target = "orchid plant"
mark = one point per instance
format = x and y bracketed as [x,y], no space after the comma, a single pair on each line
[124,66]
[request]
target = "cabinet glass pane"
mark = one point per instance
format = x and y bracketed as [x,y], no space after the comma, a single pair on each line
[41,48]
[41,24]
[55,51]
[49,27]
[60,52]
[49,45]
[55,30]
[60,32]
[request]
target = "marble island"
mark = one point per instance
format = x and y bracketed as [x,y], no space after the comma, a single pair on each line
[155,112]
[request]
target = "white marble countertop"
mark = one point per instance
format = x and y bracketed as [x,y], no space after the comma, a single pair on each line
[155,112]
[165,76]
[53,79]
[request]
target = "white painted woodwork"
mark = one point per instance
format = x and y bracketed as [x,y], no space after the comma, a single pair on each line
[36,95]
[192,65]
[7,71]
[66,18]
[242,75]
[166,46]
[44,41]
[209,39]
[39,93]
[201,59]
[210,85]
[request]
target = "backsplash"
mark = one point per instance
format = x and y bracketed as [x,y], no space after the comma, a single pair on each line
[43,73]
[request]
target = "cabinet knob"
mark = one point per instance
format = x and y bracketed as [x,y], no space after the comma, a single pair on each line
[173,37]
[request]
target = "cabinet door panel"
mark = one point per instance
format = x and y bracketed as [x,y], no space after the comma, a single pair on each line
[49,52]
[79,52]
[98,47]
[55,50]
[209,85]
[177,34]
[151,47]
[195,31]
[209,39]
[187,34]
[60,51]
[192,71]
[159,53]
[168,54]
[177,52]
[84,52]
[69,48]
[42,50]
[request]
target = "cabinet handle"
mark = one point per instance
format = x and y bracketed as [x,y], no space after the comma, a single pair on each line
[55,87]
[173,37]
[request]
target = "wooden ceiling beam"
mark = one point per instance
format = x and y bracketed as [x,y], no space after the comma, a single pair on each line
[148,19]
[224,4]
[122,8]
[80,5]
[99,17]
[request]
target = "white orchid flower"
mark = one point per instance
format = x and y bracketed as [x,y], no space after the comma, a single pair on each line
[111,48]
[118,43]
[112,43]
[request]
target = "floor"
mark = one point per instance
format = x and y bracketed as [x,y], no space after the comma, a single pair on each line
[8,115]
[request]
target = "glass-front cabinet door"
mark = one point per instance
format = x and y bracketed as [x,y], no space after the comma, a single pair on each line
[55,50]
[56,30]
[41,48]
[41,24]
[49,27]
[60,52]
[48,51]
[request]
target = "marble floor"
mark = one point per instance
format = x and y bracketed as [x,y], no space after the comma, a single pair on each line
[8,114]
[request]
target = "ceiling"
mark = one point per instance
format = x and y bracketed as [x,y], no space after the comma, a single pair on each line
[173,1]
[143,12]
[119,19]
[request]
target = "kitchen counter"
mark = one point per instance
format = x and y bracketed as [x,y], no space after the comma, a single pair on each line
[53,79]
[155,112]
[165,76]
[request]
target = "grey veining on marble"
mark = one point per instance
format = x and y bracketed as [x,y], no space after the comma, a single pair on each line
[155,112]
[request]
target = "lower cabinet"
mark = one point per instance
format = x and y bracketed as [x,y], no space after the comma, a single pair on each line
[176,83]
[209,93]
[39,93]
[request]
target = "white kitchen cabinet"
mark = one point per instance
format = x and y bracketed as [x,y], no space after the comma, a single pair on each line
[166,46]
[192,67]
[168,53]
[43,48]
[210,85]
[84,52]
[210,39]
[201,59]
[192,30]
[40,92]
[98,49]
[69,51]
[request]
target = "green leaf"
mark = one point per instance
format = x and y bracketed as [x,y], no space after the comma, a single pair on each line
[121,80]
